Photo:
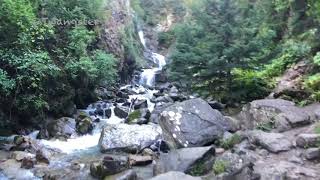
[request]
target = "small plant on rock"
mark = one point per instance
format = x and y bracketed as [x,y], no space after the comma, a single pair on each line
[134,115]
[230,142]
[198,170]
[219,167]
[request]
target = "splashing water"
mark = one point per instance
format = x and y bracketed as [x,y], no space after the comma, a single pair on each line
[148,75]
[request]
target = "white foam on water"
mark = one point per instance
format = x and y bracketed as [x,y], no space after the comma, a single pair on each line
[159,59]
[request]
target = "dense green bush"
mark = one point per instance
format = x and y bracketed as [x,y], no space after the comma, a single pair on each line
[47,67]
[236,50]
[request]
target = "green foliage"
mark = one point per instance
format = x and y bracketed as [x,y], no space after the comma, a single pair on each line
[312,83]
[45,67]
[236,50]
[198,169]
[230,142]
[134,115]
[316,59]
[6,84]
[219,167]
[165,39]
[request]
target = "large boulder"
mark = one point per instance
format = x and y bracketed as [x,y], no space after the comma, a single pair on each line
[308,140]
[281,114]
[63,127]
[187,160]
[192,123]
[128,138]
[273,142]
[175,175]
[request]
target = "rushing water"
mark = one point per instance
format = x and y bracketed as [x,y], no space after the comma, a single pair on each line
[75,144]
[86,146]
[148,75]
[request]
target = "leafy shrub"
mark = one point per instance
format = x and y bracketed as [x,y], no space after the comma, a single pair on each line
[6,84]
[313,82]
[316,59]
[165,39]
[198,169]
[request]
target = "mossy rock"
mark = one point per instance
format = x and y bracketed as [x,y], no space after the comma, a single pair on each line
[133,116]
[85,126]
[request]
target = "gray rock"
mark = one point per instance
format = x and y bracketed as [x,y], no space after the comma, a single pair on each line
[126,175]
[140,116]
[136,160]
[216,105]
[273,142]
[108,113]
[173,175]
[236,167]
[312,153]
[28,163]
[233,123]
[308,140]
[192,123]
[20,155]
[164,99]
[140,104]
[63,127]
[284,170]
[121,111]
[123,95]
[261,112]
[84,126]
[109,166]
[155,115]
[186,160]
[128,138]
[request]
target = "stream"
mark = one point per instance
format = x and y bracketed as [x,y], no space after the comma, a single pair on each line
[82,150]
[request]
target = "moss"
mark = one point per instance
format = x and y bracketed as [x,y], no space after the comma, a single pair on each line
[230,142]
[198,170]
[219,167]
[134,115]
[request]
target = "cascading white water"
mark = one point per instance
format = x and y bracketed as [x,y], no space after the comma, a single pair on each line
[159,60]
[148,75]
[141,36]
[90,141]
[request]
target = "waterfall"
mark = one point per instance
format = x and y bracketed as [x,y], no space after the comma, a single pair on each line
[141,36]
[147,76]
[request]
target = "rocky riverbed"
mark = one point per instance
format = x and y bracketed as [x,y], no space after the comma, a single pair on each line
[163,134]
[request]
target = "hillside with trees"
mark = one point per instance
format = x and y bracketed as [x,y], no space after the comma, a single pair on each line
[159,89]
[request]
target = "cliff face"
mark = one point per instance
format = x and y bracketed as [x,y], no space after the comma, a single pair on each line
[119,37]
